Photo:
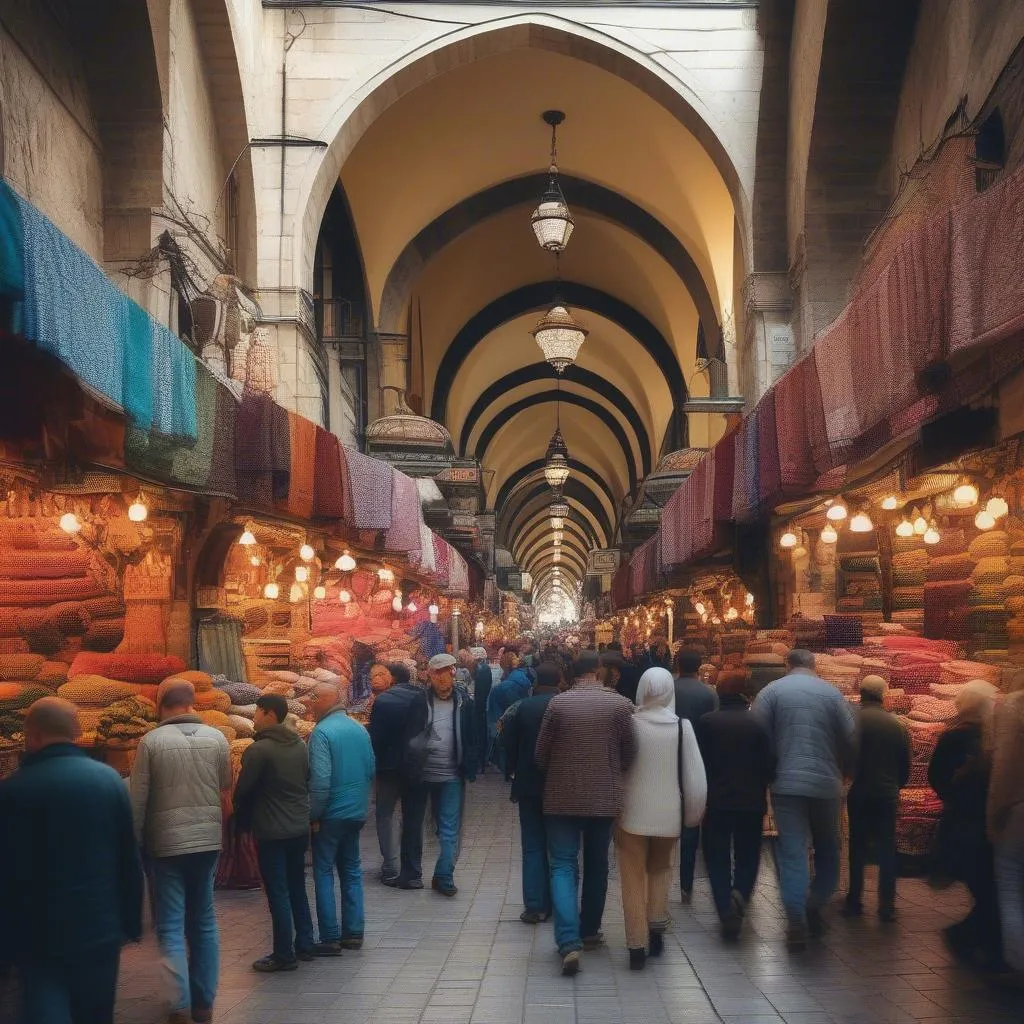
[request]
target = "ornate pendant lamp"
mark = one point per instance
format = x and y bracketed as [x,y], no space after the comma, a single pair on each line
[552,221]
[556,458]
[559,336]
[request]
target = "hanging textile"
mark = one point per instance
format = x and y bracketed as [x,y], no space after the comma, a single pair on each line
[458,576]
[796,460]
[427,561]
[702,524]
[673,526]
[620,586]
[262,450]
[12,251]
[173,384]
[769,479]
[833,353]
[328,494]
[724,454]
[814,413]
[302,461]
[442,562]
[138,365]
[404,535]
[745,470]
[368,491]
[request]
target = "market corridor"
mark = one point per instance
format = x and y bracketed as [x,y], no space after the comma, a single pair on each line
[470,959]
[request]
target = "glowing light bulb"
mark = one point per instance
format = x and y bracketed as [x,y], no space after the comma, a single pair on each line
[984,520]
[346,563]
[904,528]
[307,553]
[295,593]
[861,523]
[788,540]
[965,495]
[699,608]
[344,597]
[836,512]
[920,526]
[890,503]
[829,535]
[320,592]
[137,510]
[931,536]
[749,600]
[247,538]
[254,560]
[997,507]
[301,574]
[396,602]
[715,620]
[70,523]
[272,591]
[385,575]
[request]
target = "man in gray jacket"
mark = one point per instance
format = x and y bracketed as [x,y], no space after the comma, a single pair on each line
[272,800]
[181,772]
[813,732]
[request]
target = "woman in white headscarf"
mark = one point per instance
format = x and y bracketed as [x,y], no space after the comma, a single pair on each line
[665,788]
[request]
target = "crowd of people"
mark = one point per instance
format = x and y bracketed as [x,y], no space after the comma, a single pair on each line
[598,749]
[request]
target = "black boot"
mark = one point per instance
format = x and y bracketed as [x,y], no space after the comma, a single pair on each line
[637,959]
[655,942]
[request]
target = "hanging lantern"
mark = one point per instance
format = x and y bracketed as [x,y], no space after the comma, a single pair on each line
[836,512]
[556,461]
[931,535]
[557,523]
[552,221]
[138,511]
[788,540]
[396,601]
[385,575]
[411,608]
[829,535]
[346,563]
[965,496]
[271,591]
[861,523]
[307,553]
[699,607]
[295,594]
[344,597]
[890,503]
[301,574]
[559,336]
[247,538]
[997,507]
[904,528]
[984,520]
[320,592]
[920,526]
[70,523]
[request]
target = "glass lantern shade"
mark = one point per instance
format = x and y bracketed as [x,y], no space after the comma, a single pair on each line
[556,470]
[552,221]
[559,337]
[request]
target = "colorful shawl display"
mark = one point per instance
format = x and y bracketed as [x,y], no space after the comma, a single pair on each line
[328,493]
[406,515]
[368,491]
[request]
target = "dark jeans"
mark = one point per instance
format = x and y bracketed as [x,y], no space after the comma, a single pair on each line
[82,992]
[388,793]
[806,823]
[283,869]
[446,801]
[872,824]
[732,854]
[688,847]
[534,841]
[576,917]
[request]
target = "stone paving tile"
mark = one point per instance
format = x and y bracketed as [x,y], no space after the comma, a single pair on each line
[470,961]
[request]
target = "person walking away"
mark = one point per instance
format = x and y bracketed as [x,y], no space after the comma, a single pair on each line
[611,669]
[586,745]
[450,762]
[740,765]
[341,773]
[1006,822]
[182,770]
[520,727]
[882,770]
[812,731]
[272,801]
[658,655]
[397,715]
[665,779]
[483,682]
[959,772]
[71,880]
[694,698]
[514,687]
[464,671]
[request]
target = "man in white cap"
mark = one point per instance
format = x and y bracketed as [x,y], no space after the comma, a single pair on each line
[449,759]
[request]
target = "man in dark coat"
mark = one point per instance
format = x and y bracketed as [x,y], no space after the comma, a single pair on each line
[629,674]
[272,801]
[70,873]
[740,766]
[397,715]
[483,680]
[518,731]
[882,770]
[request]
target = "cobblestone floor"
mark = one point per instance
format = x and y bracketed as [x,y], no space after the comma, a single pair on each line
[470,960]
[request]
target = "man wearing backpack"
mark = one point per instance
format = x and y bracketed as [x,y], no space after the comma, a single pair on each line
[439,762]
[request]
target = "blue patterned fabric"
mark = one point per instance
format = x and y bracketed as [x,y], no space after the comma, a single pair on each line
[12,255]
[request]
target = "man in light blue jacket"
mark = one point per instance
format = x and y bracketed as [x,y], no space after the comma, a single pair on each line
[341,773]
[813,732]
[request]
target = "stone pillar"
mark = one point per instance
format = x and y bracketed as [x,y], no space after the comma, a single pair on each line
[394,370]
[768,345]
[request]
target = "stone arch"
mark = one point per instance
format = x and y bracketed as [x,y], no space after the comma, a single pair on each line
[535,468]
[529,30]
[574,489]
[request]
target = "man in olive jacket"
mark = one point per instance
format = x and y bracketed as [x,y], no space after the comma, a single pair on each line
[272,800]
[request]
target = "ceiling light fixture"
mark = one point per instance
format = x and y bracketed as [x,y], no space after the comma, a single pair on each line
[890,503]
[346,563]
[829,535]
[320,592]
[788,540]
[552,221]
[836,512]
[247,538]
[556,460]
[984,520]
[997,507]
[307,553]
[138,511]
[965,496]
[70,523]
[861,523]
[904,528]
[560,336]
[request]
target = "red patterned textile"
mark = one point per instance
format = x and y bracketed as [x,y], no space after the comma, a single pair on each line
[442,561]
[701,488]
[834,355]
[796,460]
[328,494]
[368,491]
[674,549]
[724,456]
[769,480]
[620,586]
[406,516]
[302,437]
[744,488]
[262,450]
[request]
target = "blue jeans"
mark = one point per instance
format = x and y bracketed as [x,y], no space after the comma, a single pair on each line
[82,992]
[336,845]
[387,794]
[688,846]
[283,869]
[185,919]
[534,840]
[804,823]
[575,918]
[446,809]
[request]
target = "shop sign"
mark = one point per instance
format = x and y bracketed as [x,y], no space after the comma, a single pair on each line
[515,581]
[459,475]
[603,562]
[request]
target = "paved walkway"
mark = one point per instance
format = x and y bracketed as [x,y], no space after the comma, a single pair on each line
[470,960]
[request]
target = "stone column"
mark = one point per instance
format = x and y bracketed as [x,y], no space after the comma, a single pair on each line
[768,345]
[394,369]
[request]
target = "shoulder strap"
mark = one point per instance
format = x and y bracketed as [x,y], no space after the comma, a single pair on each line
[679,757]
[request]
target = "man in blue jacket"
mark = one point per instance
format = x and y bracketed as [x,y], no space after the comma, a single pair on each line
[70,873]
[451,760]
[341,770]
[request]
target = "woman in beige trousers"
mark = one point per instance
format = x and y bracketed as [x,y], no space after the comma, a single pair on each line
[667,775]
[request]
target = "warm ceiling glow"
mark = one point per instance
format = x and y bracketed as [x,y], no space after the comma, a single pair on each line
[998,507]
[984,520]
[272,591]
[320,592]
[890,503]
[836,512]
[344,597]
[931,536]
[965,495]
[301,574]
[788,540]
[346,563]
[920,526]
[138,511]
[861,523]
[904,528]
[307,553]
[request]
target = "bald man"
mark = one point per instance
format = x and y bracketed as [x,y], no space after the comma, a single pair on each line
[70,876]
